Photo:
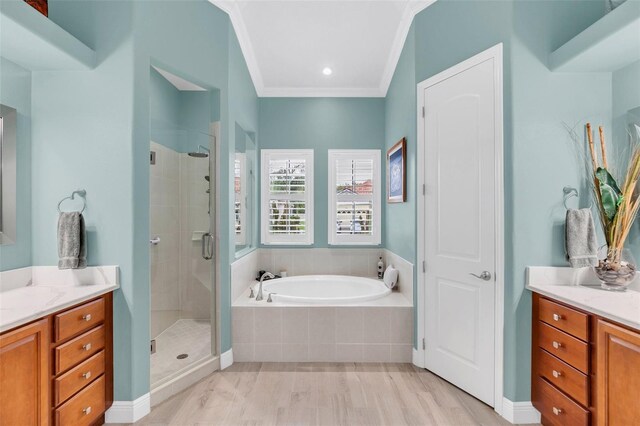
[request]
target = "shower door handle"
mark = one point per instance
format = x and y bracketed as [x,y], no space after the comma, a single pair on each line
[207,246]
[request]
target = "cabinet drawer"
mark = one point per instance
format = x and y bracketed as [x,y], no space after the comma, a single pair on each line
[559,409]
[77,378]
[573,351]
[79,349]
[85,407]
[564,377]
[566,319]
[78,319]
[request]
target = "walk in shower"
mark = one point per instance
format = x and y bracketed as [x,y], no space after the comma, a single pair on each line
[181,229]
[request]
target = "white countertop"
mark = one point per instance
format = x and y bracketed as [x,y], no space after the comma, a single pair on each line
[27,294]
[581,288]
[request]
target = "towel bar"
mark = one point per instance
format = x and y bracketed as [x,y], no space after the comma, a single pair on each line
[80,192]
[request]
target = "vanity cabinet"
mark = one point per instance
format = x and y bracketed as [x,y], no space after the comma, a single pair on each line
[585,369]
[617,374]
[58,370]
[24,375]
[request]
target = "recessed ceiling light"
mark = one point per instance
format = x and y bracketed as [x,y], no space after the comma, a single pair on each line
[327,71]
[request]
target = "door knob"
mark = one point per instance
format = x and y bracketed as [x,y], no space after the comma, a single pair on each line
[485,275]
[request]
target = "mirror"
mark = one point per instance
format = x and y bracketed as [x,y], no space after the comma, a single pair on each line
[245,184]
[7,175]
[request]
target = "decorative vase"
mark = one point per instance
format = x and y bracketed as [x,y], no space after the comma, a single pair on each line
[615,274]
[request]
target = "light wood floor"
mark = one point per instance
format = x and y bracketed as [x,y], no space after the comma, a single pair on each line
[324,395]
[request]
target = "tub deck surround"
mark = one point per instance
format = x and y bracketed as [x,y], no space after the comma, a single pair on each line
[580,288]
[378,330]
[30,293]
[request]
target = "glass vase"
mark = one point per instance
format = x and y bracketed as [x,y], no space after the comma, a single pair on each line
[615,272]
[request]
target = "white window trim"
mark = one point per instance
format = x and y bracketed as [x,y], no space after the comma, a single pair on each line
[354,240]
[286,240]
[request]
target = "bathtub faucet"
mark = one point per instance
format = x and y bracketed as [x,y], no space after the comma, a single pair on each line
[265,275]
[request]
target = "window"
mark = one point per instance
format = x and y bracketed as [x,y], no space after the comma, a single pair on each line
[287,196]
[240,198]
[354,197]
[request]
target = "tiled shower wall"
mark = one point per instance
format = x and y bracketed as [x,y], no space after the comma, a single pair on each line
[195,271]
[180,283]
[164,222]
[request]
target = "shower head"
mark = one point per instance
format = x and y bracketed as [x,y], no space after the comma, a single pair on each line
[199,153]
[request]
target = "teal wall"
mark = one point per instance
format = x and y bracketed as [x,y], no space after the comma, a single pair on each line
[536,104]
[243,111]
[179,119]
[541,102]
[322,124]
[15,91]
[400,121]
[164,110]
[82,138]
[92,131]
[626,96]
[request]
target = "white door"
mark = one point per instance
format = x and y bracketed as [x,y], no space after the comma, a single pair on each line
[461,136]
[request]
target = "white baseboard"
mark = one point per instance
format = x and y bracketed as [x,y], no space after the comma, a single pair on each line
[519,412]
[226,359]
[128,411]
[418,359]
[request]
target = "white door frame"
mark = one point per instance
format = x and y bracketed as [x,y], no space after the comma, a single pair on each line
[495,53]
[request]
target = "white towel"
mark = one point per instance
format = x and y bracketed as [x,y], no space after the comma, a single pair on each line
[390,277]
[580,238]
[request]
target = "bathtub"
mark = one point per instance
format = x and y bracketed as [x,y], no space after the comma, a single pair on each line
[322,318]
[324,289]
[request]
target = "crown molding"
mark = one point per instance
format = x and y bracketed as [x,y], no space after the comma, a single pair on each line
[231,8]
[411,10]
[318,92]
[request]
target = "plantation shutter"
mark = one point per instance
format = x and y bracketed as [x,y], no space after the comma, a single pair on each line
[287,199]
[354,197]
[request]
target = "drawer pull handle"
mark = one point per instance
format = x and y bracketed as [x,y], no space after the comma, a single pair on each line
[86,347]
[557,411]
[556,374]
[87,317]
[88,374]
[88,410]
[557,317]
[557,345]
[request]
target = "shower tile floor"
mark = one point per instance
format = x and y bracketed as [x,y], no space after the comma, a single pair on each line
[185,336]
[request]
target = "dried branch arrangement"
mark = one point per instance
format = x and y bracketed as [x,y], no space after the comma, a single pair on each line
[617,205]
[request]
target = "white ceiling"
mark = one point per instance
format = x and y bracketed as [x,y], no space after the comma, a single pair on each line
[179,82]
[287,44]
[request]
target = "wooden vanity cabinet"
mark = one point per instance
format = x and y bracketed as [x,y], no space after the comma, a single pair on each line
[24,375]
[58,370]
[585,370]
[618,374]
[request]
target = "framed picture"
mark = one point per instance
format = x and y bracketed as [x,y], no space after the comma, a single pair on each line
[397,172]
[39,5]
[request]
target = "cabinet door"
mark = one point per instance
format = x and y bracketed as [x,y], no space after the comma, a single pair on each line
[24,375]
[617,375]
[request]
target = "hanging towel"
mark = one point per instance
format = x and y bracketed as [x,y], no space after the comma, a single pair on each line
[580,238]
[72,241]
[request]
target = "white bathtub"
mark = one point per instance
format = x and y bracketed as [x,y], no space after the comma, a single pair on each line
[324,289]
